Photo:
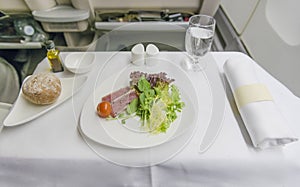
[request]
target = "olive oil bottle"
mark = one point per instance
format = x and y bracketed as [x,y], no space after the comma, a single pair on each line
[54,57]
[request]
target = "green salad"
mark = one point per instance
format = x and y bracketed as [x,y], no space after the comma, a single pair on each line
[157,105]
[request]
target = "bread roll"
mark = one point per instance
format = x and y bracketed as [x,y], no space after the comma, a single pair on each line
[42,88]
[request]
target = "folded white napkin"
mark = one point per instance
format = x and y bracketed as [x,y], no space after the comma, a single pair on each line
[264,122]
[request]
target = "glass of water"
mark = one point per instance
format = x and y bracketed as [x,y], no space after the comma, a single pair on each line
[198,40]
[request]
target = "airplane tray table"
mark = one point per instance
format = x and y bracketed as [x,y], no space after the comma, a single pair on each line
[50,151]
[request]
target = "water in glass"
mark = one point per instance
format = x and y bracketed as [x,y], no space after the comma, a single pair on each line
[198,40]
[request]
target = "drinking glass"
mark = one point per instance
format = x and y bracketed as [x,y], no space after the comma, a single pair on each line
[198,40]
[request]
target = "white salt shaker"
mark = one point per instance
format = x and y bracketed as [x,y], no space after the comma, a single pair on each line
[151,55]
[138,54]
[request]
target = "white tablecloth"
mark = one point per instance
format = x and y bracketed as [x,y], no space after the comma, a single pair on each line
[49,151]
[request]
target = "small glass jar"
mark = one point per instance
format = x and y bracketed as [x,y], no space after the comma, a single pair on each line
[53,56]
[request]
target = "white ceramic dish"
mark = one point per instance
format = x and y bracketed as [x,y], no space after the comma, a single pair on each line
[112,133]
[79,62]
[141,157]
[4,110]
[24,111]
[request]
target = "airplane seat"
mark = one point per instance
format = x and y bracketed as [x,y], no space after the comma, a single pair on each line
[9,82]
[87,39]
[69,20]
[14,6]
[77,18]
[116,33]
[9,78]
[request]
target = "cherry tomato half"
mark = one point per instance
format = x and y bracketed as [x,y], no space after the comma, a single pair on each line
[104,109]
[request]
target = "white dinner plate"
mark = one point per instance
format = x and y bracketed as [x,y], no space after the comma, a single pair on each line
[24,111]
[114,134]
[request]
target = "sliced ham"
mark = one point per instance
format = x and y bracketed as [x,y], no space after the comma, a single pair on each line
[116,94]
[120,104]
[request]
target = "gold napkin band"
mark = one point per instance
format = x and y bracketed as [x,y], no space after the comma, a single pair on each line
[251,93]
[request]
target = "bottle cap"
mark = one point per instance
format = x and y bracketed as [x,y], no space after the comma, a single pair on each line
[50,44]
